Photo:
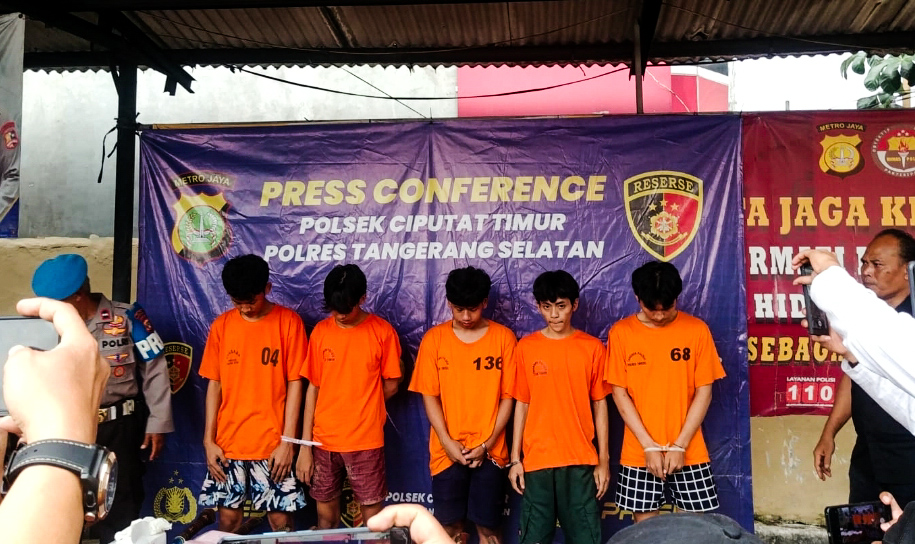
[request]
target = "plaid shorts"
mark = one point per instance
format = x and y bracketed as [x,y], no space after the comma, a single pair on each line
[692,488]
[251,479]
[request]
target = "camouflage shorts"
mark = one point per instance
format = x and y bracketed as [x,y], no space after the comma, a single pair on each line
[251,479]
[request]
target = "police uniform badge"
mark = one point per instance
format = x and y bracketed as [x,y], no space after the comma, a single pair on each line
[9,135]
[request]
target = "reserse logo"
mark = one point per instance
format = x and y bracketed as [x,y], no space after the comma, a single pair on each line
[664,209]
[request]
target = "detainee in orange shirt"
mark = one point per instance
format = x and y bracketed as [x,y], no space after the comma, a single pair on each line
[464,371]
[661,363]
[352,366]
[253,357]
[561,404]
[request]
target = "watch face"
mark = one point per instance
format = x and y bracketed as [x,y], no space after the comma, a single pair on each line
[108,482]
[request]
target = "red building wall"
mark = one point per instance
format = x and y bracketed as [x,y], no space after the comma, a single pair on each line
[665,90]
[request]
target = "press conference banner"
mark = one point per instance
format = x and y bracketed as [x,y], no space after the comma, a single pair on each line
[12,33]
[409,202]
[821,179]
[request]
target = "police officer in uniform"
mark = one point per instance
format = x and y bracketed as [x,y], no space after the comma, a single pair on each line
[132,423]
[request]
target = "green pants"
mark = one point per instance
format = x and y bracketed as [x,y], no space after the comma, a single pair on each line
[564,493]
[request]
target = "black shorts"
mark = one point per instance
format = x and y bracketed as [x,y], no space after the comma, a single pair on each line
[476,494]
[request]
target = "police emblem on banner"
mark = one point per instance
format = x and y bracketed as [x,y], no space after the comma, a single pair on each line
[894,150]
[201,232]
[175,503]
[841,155]
[179,357]
[351,513]
[664,209]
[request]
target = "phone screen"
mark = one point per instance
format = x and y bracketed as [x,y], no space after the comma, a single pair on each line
[856,523]
[396,535]
[27,331]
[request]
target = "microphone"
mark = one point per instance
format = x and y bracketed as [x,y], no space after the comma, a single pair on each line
[206,518]
[249,525]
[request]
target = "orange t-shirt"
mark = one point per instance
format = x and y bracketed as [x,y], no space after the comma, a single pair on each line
[470,380]
[348,366]
[661,367]
[559,378]
[253,361]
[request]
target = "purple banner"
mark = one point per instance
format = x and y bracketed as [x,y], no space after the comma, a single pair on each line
[408,202]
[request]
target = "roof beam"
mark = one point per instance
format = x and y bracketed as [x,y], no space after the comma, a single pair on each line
[666,52]
[336,27]
[96,5]
[647,26]
[129,41]
[146,47]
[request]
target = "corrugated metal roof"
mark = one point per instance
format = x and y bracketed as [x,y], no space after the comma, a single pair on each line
[514,32]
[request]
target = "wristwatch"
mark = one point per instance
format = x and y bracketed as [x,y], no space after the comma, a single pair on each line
[96,467]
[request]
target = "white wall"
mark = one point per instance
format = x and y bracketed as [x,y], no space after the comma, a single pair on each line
[794,83]
[66,115]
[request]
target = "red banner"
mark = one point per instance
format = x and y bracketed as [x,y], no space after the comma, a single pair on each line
[821,179]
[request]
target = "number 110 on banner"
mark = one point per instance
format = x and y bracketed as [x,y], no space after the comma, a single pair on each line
[807,392]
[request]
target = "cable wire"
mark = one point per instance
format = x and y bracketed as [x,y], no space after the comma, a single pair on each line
[234,68]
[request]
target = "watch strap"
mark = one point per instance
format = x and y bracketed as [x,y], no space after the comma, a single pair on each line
[76,457]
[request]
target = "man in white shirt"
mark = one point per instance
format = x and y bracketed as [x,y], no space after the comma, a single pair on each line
[876,341]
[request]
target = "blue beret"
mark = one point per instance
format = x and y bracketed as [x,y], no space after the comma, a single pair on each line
[685,527]
[60,277]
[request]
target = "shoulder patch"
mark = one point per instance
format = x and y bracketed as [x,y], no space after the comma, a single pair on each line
[9,135]
[145,338]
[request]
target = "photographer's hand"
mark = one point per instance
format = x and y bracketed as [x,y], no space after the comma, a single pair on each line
[50,395]
[424,529]
[56,393]
[819,260]
[832,342]
[887,498]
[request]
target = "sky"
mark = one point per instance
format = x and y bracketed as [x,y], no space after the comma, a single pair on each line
[794,83]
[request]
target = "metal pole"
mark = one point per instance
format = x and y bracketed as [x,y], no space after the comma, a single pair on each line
[637,68]
[126,84]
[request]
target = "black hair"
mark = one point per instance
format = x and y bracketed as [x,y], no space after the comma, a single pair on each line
[467,287]
[657,283]
[344,287]
[554,285]
[904,239]
[245,277]
[85,288]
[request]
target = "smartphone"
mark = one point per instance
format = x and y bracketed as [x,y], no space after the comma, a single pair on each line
[817,324]
[396,535]
[27,331]
[853,523]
